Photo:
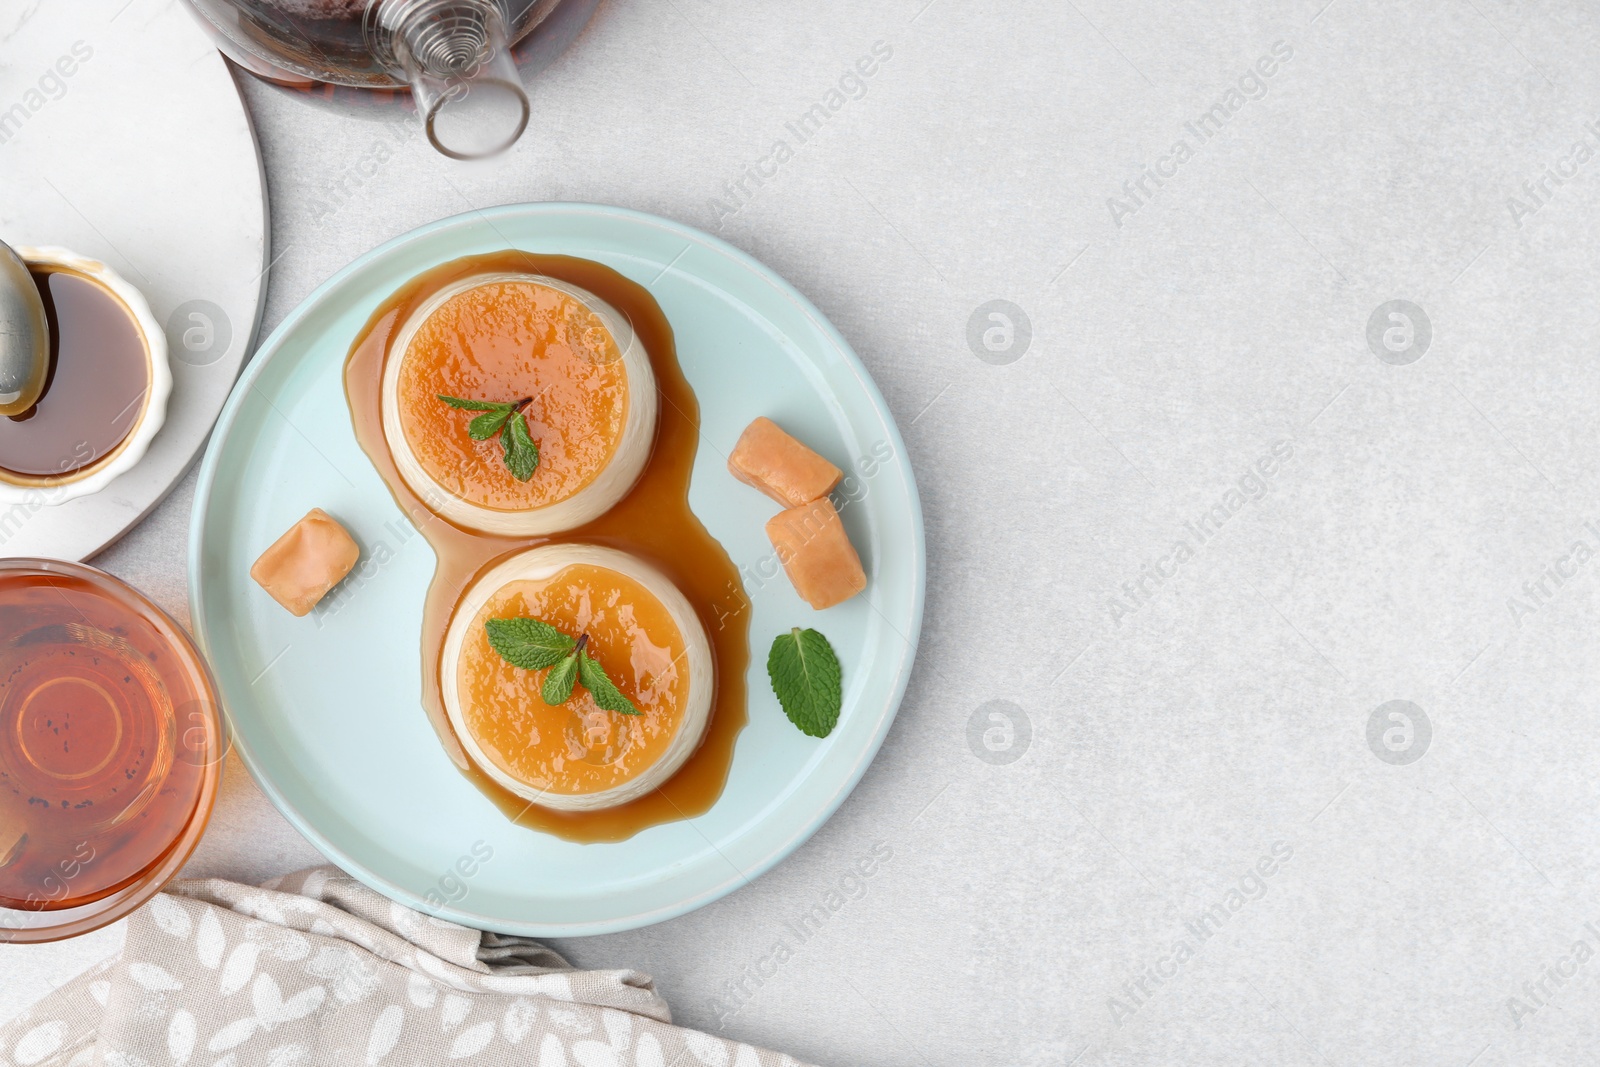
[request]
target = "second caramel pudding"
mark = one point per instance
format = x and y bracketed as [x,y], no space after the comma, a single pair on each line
[590,395]
[641,630]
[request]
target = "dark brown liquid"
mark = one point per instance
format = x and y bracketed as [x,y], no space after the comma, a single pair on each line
[336,35]
[98,770]
[99,375]
[653,522]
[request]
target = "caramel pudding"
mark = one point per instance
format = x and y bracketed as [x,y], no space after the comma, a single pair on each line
[652,522]
[569,363]
[576,756]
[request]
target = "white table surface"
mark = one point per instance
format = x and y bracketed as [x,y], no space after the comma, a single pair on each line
[1033,909]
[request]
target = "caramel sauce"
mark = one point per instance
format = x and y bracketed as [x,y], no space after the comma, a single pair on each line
[578,747]
[97,386]
[100,771]
[481,345]
[652,522]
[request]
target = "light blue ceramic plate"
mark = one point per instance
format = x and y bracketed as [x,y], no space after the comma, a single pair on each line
[326,711]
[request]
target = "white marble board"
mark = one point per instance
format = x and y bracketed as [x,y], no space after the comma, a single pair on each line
[123,137]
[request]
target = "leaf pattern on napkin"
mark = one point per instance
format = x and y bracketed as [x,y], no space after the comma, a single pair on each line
[594,1054]
[385,1033]
[170,916]
[551,1052]
[648,1054]
[289,1056]
[39,1042]
[517,1023]
[154,977]
[348,978]
[420,991]
[234,1034]
[180,1036]
[209,940]
[471,1041]
[272,1010]
[239,969]
[454,1012]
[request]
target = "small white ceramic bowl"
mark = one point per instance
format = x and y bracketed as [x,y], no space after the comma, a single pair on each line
[58,488]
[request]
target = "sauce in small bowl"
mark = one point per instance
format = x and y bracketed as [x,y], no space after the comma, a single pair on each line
[105,392]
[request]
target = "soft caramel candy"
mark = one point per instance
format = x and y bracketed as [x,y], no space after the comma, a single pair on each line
[817,554]
[781,467]
[311,558]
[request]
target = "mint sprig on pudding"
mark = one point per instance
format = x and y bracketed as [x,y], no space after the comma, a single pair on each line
[507,420]
[533,645]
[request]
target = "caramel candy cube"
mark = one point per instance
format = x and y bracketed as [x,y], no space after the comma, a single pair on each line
[781,467]
[817,554]
[310,558]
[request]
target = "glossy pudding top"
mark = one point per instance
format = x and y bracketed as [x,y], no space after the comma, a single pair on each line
[639,629]
[505,340]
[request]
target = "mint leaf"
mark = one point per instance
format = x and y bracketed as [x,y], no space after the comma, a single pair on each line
[522,455]
[806,678]
[605,693]
[507,420]
[527,643]
[533,644]
[487,425]
[557,688]
[472,405]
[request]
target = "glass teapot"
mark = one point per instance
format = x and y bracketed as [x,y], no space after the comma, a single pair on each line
[458,58]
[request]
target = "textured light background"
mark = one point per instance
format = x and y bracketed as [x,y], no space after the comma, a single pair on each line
[1161,737]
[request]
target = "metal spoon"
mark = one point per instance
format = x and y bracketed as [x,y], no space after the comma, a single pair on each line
[24,336]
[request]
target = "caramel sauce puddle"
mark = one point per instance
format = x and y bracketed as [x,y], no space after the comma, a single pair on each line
[653,522]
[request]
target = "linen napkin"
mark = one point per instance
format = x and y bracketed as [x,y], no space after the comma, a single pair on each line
[316,968]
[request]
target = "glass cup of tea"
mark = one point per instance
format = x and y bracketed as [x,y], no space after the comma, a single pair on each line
[111,748]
